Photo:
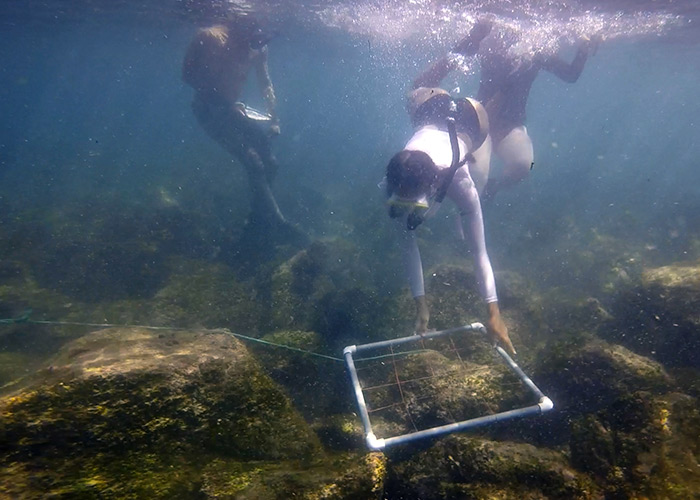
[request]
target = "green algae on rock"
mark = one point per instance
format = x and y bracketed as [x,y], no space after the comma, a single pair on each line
[342,477]
[317,386]
[585,374]
[660,316]
[327,290]
[474,468]
[204,294]
[641,445]
[128,388]
[165,393]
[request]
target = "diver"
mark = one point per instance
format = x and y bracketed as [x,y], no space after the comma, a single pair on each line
[216,66]
[504,87]
[446,132]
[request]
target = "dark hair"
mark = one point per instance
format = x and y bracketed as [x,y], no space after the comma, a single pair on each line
[410,174]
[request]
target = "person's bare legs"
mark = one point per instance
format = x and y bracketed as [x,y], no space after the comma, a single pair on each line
[517,154]
[479,170]
[263,205]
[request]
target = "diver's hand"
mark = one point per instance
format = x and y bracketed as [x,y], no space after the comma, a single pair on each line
[497,328]
[469,43]
[482,28]
[422,315]
[589,45]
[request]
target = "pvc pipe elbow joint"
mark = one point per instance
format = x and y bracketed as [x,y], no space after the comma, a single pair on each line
[373,443]
[545,404]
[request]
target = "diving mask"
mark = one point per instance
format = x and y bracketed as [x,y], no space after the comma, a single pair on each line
[400,206]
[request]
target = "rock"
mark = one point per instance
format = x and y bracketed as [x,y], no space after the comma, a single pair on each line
[296,284]
[106,249]
[584,374]
[326,289]
[341,432]
[475,468]
[159,394]
[317,386]
[641,446]
[343,478]
[200,293]
[453,296]
[437,388]
[454,300]
[660,316]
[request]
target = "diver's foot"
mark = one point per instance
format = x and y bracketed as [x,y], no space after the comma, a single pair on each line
[288,233]
[275,230]
[263,242]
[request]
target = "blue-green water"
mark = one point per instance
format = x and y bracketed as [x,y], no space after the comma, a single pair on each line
[92,104]
[116,207]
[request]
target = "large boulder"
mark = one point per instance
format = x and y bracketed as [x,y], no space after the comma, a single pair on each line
[584,374]
[131,412]
[660,316]
[200,293]
[129,388]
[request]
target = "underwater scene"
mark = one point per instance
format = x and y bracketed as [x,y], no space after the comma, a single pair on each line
[350,249]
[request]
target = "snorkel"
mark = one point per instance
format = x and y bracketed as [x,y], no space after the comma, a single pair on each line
[415,219]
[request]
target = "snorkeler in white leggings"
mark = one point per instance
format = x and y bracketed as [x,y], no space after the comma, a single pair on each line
[506,80]
[428,168]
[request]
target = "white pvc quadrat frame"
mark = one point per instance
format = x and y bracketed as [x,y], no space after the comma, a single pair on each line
[545,404]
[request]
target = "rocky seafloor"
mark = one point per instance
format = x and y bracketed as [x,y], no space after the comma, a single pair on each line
[190,410]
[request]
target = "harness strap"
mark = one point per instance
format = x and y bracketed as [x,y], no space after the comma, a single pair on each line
[414,220]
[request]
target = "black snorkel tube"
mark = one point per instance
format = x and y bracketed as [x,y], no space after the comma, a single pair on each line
[414,219]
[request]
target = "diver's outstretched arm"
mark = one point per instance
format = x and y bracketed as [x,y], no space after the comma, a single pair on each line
[468,46]
[570,73]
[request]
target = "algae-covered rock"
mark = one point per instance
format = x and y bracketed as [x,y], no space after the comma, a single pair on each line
[312,375]
[455,300]
[21,298]
[475,468]
[106,249]
[134,387]
[200,293]
[165,393]
[454,297]
[348,477]
[660,316]
[584,374]
[342,431]
[300,282]
[14,365]
[641,446]
[570,315]
[436,388]
[327,289]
